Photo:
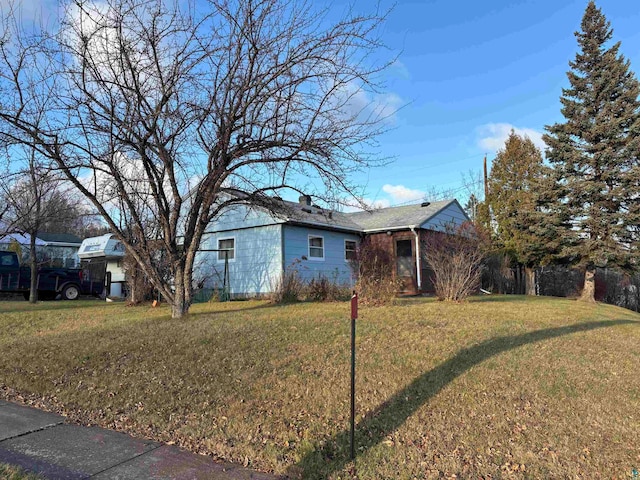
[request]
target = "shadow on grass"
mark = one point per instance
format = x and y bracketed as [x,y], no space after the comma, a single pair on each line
[496,298]
[390,415]
[223,311]
[507,297]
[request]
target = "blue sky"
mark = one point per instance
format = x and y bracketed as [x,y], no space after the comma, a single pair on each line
[467,72]
[470,71]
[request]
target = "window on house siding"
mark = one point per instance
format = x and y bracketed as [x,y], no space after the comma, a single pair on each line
[316,247]
[349,250]
[228,244]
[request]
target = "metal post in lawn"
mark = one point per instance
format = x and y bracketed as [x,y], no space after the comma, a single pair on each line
[354,316]
[227,287]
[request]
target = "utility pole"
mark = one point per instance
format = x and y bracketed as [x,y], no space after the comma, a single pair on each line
[486,185]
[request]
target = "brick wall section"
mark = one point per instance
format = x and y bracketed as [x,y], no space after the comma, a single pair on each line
[388,243]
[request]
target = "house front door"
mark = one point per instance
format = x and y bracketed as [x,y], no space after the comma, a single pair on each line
[404,263]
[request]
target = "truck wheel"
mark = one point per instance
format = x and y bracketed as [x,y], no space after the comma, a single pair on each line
[70,292]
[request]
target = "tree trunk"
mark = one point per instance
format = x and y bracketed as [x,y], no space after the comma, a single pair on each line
[33,262]
[179,309]
[181,297]
[589,290]
[530,281]
[180,306]
[517,288]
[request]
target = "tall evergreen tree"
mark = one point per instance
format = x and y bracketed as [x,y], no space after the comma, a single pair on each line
[513,199]
[595,152]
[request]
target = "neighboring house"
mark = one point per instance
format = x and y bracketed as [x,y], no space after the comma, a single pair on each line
[52,249]
[263,243]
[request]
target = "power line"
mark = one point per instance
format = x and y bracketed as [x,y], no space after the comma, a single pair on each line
[426,167]
[448,192]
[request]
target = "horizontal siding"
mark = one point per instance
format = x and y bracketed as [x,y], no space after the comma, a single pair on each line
[334,266]
[451,215]
[257,265]
[241,216]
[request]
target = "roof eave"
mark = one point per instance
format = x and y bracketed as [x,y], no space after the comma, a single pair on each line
[323,226]
[61,244]
[390,229]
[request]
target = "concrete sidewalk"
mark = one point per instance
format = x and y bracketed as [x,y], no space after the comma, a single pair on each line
[43,443]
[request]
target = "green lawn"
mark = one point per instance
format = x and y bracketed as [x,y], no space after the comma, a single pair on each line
[500,386]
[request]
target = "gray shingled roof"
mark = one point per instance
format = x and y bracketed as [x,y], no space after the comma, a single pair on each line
[313,215]
[59,238]
[369,221]
[397,217]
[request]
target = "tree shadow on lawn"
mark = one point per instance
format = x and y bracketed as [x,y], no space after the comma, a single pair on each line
[508,297]
[334,455]
[214,313]
[495,298]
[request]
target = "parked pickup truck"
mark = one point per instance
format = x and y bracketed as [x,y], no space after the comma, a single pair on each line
[70,283]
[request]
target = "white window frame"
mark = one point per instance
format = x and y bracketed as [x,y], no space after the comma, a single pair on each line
[218,240]
[355,248]
[315,259]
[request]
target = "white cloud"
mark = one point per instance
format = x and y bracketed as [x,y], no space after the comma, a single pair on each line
[400,193]
[492,136]
[397,194]
[399,69]
[368,105]
[380,203]
[386,106]
[366,203]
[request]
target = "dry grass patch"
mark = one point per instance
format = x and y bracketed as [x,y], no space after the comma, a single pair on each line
[9,472]
[501,386]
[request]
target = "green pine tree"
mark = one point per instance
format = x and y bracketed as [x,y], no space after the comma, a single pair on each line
[595,153]
[516,175]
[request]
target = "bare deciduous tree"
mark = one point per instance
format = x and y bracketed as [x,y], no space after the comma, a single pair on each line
[35,200]
[159,108]
[455,256]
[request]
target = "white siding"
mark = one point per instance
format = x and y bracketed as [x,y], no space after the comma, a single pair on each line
[241,216]
[257,265]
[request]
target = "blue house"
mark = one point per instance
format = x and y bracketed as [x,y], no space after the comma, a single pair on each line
[260,243]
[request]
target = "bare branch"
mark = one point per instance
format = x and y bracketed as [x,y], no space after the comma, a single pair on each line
[153,110]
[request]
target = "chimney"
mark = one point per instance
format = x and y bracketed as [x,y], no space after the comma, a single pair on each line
[305,200]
